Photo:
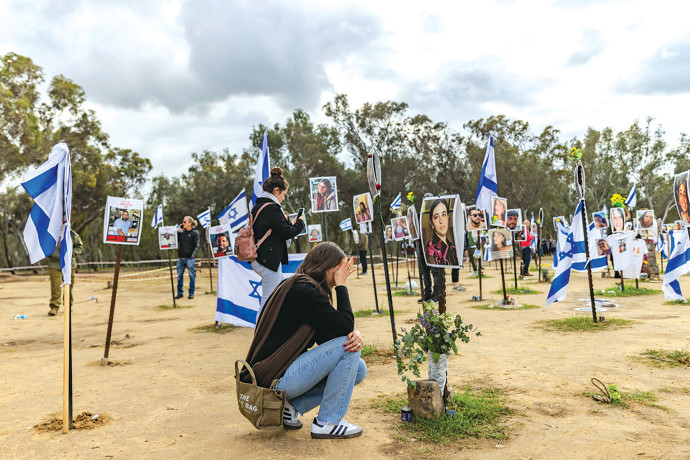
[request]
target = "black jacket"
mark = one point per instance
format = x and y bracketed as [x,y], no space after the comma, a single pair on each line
[188,244]
[273,251]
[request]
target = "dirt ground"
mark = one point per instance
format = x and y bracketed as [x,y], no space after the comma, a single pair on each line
[171,393]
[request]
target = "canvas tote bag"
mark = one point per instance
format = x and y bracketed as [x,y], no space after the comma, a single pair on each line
[263,407]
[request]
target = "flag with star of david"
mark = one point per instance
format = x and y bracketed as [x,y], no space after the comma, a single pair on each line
[239,290]
[236,213]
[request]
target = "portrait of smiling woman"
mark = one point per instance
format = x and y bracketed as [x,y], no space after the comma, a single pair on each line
[440,230]
[680,192]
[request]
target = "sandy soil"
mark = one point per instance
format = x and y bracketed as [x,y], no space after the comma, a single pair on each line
[172,394]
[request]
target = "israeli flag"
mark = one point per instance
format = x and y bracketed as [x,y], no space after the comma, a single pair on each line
[563,232]
[561,279]
[157,217]
[662,245]
[397,202]
[263,169]
[239,290]
[597,263]
[346,224]
[50,185]
[678,265]
[488,183]
[534,244]
[205,218]
[236,213]
[631,201]
[487,253]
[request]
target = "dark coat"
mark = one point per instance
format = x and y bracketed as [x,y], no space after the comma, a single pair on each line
[273,251]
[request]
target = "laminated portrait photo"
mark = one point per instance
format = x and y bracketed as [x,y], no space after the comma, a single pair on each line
[314,233]
[413,221]
[499,211]
[122,220]
[617,219]
[476,219]
[401,230]
[222,241]
[324,194]
[501,243]
[167,237]
[442,225]
[645,223]
[514,218]
[680,193]
[363,206]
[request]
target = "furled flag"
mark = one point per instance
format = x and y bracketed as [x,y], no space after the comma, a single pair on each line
[631,200]
[535,243]
[678,264]
[346,224]
[263,168]
[596,262]
[205,218]
[239,290]
[397,202]
[561,279]
[157,217]
[662,245]
[488,183]
[561,236]
[50,185]
[236,213]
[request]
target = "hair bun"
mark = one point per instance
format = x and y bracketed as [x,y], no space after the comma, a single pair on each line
[276,172]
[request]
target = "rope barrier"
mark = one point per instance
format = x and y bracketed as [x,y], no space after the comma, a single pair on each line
[141,273]
[147,279]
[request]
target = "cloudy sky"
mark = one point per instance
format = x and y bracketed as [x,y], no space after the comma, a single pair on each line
[168,78]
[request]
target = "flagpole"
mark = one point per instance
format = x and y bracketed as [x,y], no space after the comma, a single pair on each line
[385,269]
[210,257]
[581,181]
[479,273]
[539,248]
[116,277]
[67,364]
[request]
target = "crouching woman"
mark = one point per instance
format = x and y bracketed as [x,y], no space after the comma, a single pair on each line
[298,314]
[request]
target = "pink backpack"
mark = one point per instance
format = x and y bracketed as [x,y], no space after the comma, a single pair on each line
[245,245]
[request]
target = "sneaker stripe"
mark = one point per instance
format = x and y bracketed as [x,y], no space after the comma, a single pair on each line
[334,428]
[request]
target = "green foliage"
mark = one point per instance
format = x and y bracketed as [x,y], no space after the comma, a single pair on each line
[545,274]
[582,324]
[171,307]
[478,414]
[217,329]
[630,290]
[676,302]
[435,333]
[520,290]
[623,400]
[403,293]
[369,313]
[671,358]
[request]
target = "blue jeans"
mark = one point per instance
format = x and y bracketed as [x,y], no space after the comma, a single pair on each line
[526,257]
[189,264]
[324,376]
[269,282]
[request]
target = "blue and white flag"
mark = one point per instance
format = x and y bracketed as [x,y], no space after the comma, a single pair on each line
[561,279]
[631,201]
[562,235]
[239,290]
[236,213]
[678,265]
[205,218]
[262,170]
[662,245]
[596,262]
[535,243]
[346,224]
[397,202]
[488,183]
[157,217]
[50,185]
[605,210]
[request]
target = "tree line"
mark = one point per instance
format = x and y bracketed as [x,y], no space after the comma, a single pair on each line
[418,155]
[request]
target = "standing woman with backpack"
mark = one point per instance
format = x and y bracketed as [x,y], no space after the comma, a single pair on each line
[269,223]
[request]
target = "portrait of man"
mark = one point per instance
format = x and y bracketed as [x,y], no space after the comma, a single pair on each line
[122,220]
[439,225]
[476,219]
[519,233]
[499,209]
[324,194]
[314,232]
[362,204]
[514,218]
[600,219]
[221,241]
[680,192]
[603,248]
[618,219]
[501,243]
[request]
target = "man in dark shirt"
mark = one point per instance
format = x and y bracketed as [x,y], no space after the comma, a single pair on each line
[188,245]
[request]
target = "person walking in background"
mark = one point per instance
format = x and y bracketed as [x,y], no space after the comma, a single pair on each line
[526,249]
[269,218]
[362,251]
[53,262]
[188,245]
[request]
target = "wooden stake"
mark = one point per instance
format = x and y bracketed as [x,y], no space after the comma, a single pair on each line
[116,277]
[373,275]
[172,286]
[503,281]
[479,273]
[67,363]
[385,269]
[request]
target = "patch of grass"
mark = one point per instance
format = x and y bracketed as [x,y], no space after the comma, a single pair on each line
[473,277]
[630,290]
[644,398]
[403,293]
[170,307]
[219,329]
[581,324]
[676,302]
[479,414]
[372,354]
[488,306]
[545,274]
[369,313]
[209,292]
[520,290]
[673,358]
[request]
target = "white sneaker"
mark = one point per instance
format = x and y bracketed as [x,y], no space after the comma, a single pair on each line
[291,419]
[325,430]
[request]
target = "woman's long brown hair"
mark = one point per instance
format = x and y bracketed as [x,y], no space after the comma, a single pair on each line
[320,259]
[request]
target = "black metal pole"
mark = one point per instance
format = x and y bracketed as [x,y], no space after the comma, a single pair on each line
[325,227]
[373,275]
[397,259]
[479,273]
[420,261]
[589,267]
[515,265]
[503,281]
[172,286]
[442,292]
[385,270]
[116,277]
[407,265]
[539,252]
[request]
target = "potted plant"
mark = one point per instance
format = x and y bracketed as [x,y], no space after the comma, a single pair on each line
[434,335]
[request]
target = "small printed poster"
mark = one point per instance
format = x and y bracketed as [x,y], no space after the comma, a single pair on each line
[122,220]
[222,241]
[167,237]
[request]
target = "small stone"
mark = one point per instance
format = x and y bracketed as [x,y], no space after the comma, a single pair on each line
[425,400]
